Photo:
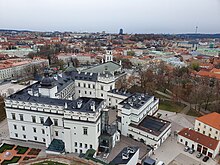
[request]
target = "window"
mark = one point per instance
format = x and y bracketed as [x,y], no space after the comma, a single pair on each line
[215,138]
[203,132]
[181,140]
[23,128]
[90,146]
[76,150]
[102,88]
[85,131]
[41,120]
[55,122]
[216,132]
[35,137]
[84,85]
[210,129]
[85,92]
[43,139]
[56,133]
[13,116]
[21,117]
[101,94]
[16,135]
[199,124]
[80,145]
[204,126]
[98,128]
[79,91]
[24,136]
[33,119]
[86,145]
[80,151]
[209,135]
[90,93]
[75,144]
[34,129]
[78,84]
[15,126]
[93,86]
[89,85]
[43,132]
[198,129]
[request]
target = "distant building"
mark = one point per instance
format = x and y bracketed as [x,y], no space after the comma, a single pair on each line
[121,32]
[19,68]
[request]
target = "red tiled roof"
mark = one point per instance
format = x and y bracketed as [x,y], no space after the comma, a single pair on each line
[212,119]
[199,138]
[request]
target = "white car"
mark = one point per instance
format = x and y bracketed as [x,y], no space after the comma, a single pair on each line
[160,163]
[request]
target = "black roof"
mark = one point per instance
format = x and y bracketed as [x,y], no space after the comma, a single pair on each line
[86,76]
[118,159]
[152,125]
[48,122]
[23,95]
[135,101]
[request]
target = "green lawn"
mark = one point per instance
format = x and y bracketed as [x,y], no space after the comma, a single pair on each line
[193,112]
[15,159]
[5,147]
[170,106]
[21,150]
[49,163]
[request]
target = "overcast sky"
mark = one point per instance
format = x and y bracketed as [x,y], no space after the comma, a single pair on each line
[134,16]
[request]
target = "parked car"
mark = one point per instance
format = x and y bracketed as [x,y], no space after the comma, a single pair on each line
[186,148]
[205,159]
[199,155]
[160,163]
[191,151]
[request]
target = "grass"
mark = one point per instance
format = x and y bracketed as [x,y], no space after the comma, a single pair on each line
[49,163]
[170,106]
[5,147]
[15,159]
[21,150]
[193,112]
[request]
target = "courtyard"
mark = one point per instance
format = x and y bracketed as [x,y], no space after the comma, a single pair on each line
[10,153]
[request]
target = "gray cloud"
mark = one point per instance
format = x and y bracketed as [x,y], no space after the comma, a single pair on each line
[134,16]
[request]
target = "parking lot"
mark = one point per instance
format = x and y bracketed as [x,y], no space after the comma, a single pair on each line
[171,152]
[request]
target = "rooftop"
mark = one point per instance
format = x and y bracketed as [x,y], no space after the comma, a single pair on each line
[152,125]
[125,155]
[199,138]
[72,105]
[212,119]
[135,101]
[108,67]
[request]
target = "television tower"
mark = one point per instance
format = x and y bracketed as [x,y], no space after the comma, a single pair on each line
[196,29]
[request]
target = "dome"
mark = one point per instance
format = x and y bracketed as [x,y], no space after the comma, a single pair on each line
[109,48]
[47,81]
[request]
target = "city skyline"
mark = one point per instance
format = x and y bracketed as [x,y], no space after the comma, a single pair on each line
[139,16]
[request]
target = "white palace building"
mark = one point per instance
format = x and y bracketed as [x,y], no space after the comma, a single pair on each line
[69,112]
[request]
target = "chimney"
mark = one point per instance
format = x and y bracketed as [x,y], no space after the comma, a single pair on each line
[92,105]
[79,103]
[125,156]
[65,105]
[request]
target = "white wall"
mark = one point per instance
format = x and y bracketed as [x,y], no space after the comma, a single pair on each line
[207,130]
[74,133]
